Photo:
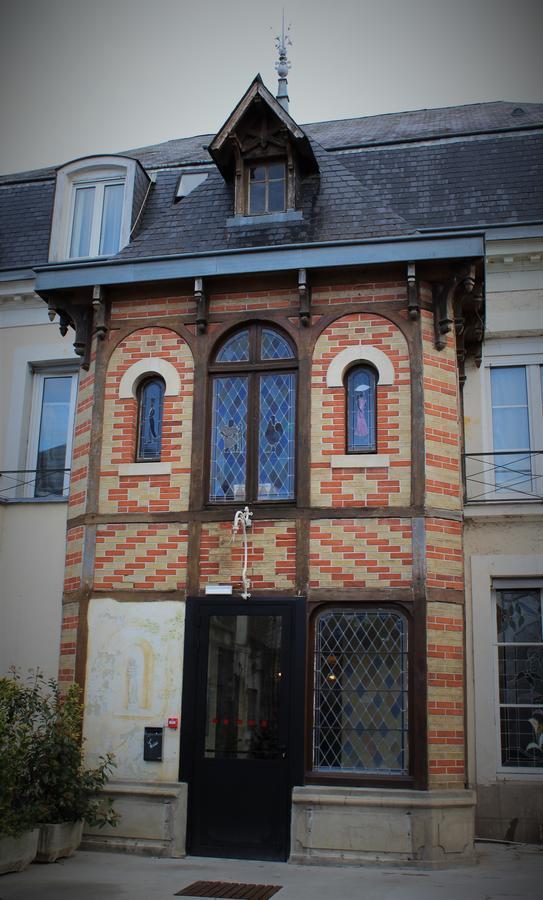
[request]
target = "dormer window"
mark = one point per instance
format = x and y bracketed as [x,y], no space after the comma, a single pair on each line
[266,190]
[97,216]
[98,201]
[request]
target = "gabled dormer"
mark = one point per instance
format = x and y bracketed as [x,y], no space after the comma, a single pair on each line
[263,152]
[98,202]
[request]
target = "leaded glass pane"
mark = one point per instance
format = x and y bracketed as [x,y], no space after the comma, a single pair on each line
[520,676]
[236,348]
[229,439]
[360,693]
[361,419]
[276,437]
[151,395]
[273,346]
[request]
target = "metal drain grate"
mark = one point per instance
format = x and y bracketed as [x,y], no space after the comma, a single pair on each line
[229,889]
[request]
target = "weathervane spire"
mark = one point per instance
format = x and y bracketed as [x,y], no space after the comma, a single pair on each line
[283,65]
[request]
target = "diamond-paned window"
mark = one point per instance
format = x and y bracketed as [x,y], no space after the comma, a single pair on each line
[360,708]
[253,418]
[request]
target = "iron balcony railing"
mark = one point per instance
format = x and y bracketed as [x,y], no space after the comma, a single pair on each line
[33,484]
[503,477]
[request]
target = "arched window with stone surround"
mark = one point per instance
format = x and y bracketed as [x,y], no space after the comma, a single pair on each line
[150,397]
[361,398]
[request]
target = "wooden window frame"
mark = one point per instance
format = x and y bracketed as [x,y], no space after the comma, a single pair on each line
[362,779]
[270,161]
[362,450]
[252,369]
[138,457]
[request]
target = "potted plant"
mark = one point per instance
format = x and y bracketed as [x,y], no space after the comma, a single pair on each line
[59,791]
[67,792]
[19,813]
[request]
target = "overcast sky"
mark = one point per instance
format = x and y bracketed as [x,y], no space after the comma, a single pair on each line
[93,76]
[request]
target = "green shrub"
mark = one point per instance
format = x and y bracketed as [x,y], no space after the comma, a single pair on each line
[41,758]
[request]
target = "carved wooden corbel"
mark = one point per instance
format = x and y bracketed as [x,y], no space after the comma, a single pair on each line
[201,305]
[444,301]
[304,294]
[413,303]
[99,308]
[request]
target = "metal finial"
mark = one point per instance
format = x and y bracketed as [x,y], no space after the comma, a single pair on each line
[283,65]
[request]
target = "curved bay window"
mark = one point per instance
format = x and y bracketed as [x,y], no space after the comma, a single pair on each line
[253,418]
[150,411]
[361,385]
[360,702]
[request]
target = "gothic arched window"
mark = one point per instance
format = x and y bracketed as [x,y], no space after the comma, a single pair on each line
[150,411]
[361,385]
[253,415]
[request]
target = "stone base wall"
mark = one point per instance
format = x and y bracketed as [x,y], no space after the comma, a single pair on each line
[508,811]
[153,821]
[395,827]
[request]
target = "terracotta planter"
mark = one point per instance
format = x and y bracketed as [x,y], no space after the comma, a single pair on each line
[58,840]
[16,853]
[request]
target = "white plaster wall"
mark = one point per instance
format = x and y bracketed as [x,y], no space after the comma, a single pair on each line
[133,680]
[32,548]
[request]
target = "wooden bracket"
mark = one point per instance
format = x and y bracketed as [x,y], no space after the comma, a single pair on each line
[99,308]
[304,294]
[445,297]
[413,303]
[201,305]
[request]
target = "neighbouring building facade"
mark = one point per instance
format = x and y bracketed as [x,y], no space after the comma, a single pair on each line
[291,608]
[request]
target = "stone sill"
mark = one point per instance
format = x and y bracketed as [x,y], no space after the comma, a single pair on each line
[291,215]
[145,469]
[360,461]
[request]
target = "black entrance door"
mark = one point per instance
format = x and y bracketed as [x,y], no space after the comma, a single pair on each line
[241,746]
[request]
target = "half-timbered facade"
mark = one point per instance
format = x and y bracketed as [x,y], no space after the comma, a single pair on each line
[264,594]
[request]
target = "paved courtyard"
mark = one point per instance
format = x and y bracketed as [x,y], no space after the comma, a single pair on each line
[502,872]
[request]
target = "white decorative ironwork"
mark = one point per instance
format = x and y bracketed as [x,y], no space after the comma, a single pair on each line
[242,518]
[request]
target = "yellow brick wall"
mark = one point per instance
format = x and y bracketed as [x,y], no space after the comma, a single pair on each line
[352,553]
[271,555]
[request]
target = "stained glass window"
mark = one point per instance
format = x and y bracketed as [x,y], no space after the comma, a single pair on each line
[520,676]
[360,709]
[253,419]
[361,410]
[150,409]
[229,439]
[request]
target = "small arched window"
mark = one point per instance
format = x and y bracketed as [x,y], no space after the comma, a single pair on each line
[361,385]
[150,412]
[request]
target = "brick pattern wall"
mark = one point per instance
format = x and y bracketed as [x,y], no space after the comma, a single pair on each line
[445,695]
[155,493]
[343,487]
[442,420]
[444,554]
[367,292]
[74,558]
[271,556]
[240,301]
[81,441]
[150,308]
[68,644]
[355,553]
[141,557]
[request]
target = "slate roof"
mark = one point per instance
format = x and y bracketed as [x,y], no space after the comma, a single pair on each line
[380,176]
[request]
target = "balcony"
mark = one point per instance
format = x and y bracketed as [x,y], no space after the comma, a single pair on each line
[19,485]
[503,477]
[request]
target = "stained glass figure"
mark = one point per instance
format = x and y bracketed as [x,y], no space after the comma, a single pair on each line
[361,418]
[150,407]
[360,692]
[236,348]
[228,439]
[274,346]
[276,437]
